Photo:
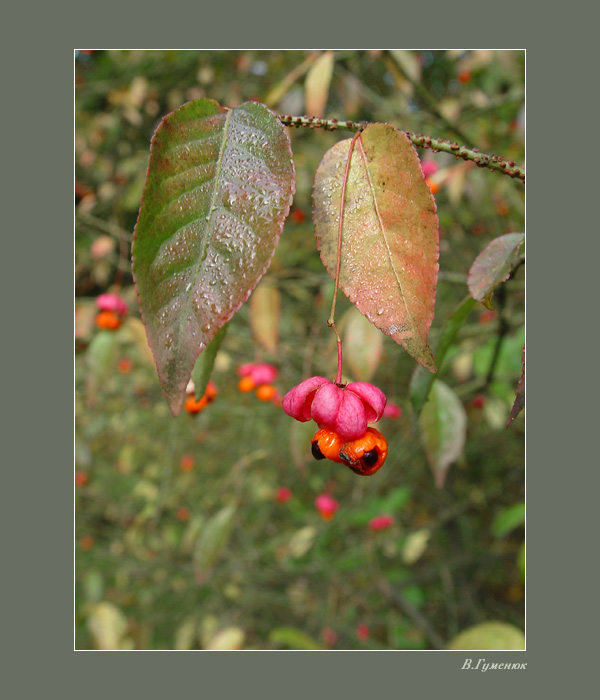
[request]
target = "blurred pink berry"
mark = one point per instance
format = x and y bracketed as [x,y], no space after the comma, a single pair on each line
[429,167]
[259,372]
[112,302]
[283,494]
[381,522]
[346,410]
[329,636]
[362,632]
[326,506]
[392,411]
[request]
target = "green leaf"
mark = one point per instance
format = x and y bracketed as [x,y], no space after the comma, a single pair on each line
[205,363]
[219,186]
[390,236]
[493,266]
[292,638]
[390,504]
[101,357]
[443,424]
[421,382]
[521,562]
[519,403]
[213,538]
[508,519]
[488,636]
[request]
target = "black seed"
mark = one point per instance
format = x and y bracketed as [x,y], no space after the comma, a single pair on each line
[370,457]
[316,452]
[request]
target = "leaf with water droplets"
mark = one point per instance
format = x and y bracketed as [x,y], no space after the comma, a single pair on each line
[219,187]
[493,266]
[390,236]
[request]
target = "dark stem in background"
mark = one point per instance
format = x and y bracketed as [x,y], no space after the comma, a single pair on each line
[502,331]
[504,325]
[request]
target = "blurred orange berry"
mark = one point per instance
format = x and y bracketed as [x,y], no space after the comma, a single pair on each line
[81,478]
[211,390]
[182,514]
[297,216]
[464,77]
[192,406]
[108,320]
[487,316]
[246,384]
[266,392]
[502,209]
[86,543]
[125,365]
[187,463]
[433,186]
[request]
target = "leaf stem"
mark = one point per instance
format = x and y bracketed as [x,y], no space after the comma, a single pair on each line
[331,321]
[482,160]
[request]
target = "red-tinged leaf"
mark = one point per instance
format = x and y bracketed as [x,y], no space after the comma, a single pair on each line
[317,84]
[493,266]
[265,314]
[519,403]
[219,186]
[390,237]
[443,424]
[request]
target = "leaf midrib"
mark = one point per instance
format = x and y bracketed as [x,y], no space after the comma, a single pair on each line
[204,244]
[381,226]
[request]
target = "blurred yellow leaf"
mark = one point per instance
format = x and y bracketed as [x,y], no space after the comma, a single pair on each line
[265,313]
[363,345]
[488,636]
[408,63]
[302,541]
[186,634]
[415,546]
[227,639]
[107,626]
[317,84]
[284,85]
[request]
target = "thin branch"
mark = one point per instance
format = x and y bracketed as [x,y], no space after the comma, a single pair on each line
[482,160]
[417,618]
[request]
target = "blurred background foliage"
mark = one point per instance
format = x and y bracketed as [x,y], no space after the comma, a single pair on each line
[181,541]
